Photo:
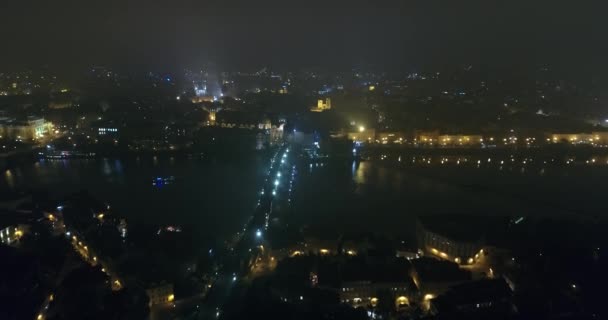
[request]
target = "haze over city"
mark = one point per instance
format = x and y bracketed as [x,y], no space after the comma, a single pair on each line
[303,160]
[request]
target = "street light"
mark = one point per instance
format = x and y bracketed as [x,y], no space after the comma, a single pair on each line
[258,233]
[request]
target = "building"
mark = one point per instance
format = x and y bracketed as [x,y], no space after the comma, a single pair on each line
[459,140]
[455,238]
[390,137]
[434,276]
[364,283]
[593,138]
[322,105]
[362,135]
[32,128]
[160,293]
[426,137]
[11,230]
[433,138]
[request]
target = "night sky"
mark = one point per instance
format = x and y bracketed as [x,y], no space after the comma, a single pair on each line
[330,34]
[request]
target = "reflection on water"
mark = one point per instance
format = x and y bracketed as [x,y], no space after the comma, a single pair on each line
[389,191]
[107,169]
[214,197]
[8,176]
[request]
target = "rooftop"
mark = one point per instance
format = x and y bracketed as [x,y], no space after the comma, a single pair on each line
[463,227]
[434,270]
[358,269]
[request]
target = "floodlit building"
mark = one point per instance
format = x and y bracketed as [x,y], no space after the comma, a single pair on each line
[390,137]
[11,230]
[459,140]
[453,238]
[593,138]
[322,105]
[363,283]
[362,135]
[30,129]
[426,137]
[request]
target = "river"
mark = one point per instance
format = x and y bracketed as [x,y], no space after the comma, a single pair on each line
[216,197]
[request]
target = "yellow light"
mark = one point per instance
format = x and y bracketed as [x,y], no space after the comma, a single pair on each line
[18,233]
[443,255]
[324,251]
[94,258]
[296,253]
[433,250]
[100,216]
[372,88]
[51,297]
[171,297]
[374,301]
[361,128]
[457,260]
[40,316]
[51,217]
[402,300]
[470,261]
[351,252]
[428,296]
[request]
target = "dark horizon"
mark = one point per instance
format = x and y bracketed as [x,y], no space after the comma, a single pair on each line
[340,35]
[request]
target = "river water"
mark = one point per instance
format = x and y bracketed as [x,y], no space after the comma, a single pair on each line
[386,194]
[212,196]
[215,197]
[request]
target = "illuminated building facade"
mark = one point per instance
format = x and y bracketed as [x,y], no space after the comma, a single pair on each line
[364,283]
[446,241]
[9,234]
[426,137]
[322,105]
[459,140]
[362,135]
[365,293]
[31,129]
[390,137]
[593,138]
[433,138]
